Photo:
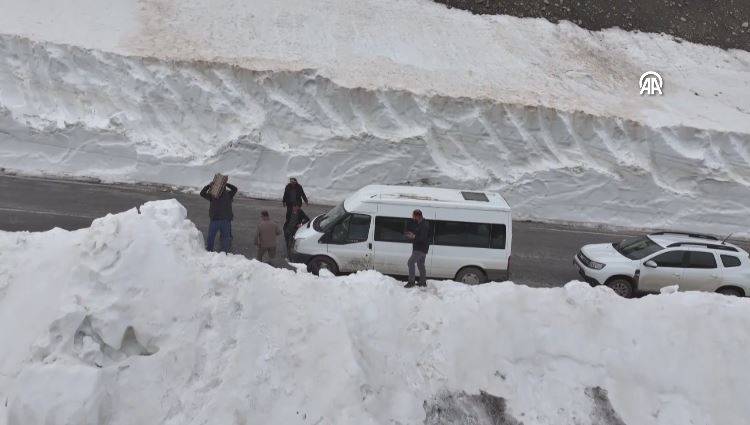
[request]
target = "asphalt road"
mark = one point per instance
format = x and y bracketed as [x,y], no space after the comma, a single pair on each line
[542,253]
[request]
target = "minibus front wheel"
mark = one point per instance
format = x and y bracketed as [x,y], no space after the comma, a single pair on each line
[322,262]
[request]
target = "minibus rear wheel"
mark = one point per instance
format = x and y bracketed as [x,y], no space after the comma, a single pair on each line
[471,276]
[322,262]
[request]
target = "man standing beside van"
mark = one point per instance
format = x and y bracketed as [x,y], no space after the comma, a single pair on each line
[296,219]
[420,237]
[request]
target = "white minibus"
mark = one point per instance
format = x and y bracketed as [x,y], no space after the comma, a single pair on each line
[471,234]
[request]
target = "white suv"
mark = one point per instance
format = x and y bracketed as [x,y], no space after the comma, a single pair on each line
[694,262]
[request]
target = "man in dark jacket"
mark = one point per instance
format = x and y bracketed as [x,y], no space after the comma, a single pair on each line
[220,213]
[296,219]
[421,238]
[293,195]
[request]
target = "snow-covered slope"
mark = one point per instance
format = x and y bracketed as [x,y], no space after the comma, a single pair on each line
[347,93]
[132,322]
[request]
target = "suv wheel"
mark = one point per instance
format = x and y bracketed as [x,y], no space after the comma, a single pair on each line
[318,263]
[732,292]
[471,276]
[621,286]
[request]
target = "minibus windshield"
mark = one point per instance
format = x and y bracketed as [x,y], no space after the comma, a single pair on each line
[325,221]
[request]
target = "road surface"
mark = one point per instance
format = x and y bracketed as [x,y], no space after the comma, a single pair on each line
[542,253]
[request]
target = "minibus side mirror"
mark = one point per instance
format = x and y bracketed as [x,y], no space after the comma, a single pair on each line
[650,264]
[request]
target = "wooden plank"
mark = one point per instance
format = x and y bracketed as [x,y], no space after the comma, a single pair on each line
[217,185]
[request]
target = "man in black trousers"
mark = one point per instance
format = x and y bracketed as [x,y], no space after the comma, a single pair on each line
[420,237]
[296,219]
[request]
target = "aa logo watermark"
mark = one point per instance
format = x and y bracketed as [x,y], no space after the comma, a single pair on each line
[651,83]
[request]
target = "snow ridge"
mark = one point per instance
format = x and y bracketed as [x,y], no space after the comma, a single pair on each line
[131,321]
[78,112]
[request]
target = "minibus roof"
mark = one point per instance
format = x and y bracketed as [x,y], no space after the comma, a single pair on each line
[426,196]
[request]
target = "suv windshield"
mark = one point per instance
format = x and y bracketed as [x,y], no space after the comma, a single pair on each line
[637,247]
[325,221]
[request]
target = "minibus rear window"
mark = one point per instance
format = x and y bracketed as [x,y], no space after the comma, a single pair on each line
[458,233]
[498,236]
[470,235]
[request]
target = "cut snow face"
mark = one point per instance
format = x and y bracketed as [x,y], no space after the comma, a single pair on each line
[375,44]
[134,312]
[89,113]
[346,94]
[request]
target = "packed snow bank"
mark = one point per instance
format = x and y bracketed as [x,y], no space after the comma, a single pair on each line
[344,94]
[132,322]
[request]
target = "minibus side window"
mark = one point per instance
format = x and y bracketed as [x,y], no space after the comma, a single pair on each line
[359,228]
[390,229]
[498,236]
[352,229]
[458,233]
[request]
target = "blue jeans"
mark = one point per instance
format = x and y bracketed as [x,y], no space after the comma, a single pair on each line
[225,228]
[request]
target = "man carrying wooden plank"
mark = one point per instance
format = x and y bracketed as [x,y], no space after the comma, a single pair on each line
[221,194]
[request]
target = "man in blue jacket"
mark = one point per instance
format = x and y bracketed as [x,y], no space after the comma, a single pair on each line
[220,213]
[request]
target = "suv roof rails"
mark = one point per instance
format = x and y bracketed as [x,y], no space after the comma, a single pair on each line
[692,235]
[707,245]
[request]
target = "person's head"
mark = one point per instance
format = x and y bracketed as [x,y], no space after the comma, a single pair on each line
[264,215]
[292,180]
[417,215]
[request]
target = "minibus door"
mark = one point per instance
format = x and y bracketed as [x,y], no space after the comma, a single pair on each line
[391,256]
[347,243]
[391,248]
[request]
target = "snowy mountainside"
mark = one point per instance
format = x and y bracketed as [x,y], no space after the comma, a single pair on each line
[131,321]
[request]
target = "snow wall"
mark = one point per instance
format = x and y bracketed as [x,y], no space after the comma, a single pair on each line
[77,112]
[131,321]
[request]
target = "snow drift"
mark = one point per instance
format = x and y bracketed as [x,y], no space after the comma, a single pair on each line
[346,93]
[132,322]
